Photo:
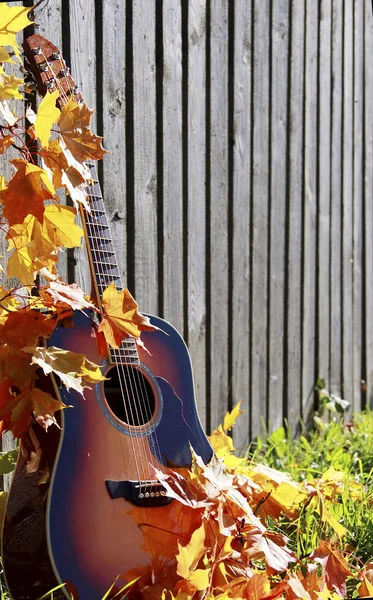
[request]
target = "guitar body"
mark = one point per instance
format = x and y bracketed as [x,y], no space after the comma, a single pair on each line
[104,512]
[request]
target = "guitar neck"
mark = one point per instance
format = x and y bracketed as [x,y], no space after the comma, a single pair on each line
[103,260]
[104,264]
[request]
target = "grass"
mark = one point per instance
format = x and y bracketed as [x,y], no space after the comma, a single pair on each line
[343,446]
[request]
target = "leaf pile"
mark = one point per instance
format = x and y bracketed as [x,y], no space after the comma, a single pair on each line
[37,227]
[237,545]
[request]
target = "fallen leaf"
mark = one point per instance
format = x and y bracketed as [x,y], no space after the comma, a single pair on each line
[189,556]
[334,567]
[269,546]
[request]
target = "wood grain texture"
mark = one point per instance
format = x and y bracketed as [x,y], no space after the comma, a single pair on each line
[294,217]
[323,191]
[218,217]
[145,170]
[113,116]
[335,377]
[349,383]
[260,230]
[309,211]
[241,320]
[368,195]
[83,67]
[173,233]
[277,235]
[197,198]
[357,201]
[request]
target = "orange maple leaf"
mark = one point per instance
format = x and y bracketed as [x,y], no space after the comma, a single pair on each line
[121,317]
[74,125]
[24,326]
[16,412]
[26,192]
[335,568]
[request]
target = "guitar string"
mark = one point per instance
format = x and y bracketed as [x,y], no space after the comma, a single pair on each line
[64,96]
[140,378]
[134,373]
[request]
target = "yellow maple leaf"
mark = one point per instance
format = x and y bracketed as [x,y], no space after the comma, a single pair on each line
[121,316]
[221,443]
[35,244]
[231,417]
[189,556]
[12,20]
[47,114]
[9,86]
[74,125]
[72,368]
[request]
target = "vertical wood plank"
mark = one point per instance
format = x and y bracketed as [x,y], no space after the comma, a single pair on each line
[243,45]
[323,211]
[293,388]
[218,216]
[357,199]
[114,172]
[260,154]
[145,171]
[349,382]
[49,22]
[368,195]
[83,68]
[309,212]
[278,168]
[197,199]
[173,166]
[335,377]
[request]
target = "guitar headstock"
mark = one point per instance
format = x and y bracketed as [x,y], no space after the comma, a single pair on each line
[50,70]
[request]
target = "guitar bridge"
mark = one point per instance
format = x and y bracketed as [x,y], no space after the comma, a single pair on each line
[149,493]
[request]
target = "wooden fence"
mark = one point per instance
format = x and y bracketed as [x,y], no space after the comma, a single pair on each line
[239,186]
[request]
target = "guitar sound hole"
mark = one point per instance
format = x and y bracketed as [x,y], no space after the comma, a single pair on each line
[129,395]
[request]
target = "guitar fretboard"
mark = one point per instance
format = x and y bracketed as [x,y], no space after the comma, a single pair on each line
[103,258]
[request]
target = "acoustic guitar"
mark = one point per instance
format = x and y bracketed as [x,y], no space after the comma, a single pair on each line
[94,510]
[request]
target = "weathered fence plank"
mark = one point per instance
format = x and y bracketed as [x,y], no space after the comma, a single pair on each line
[145,157]
[112,115]
[323,192]
[349,383]
[293,266]
[241,317]
[357,200]
[278,159]
[335,377]
[83,66]
[367,196]
[309,210]
[260,229]
[219,211]
[173,211]
[196,144]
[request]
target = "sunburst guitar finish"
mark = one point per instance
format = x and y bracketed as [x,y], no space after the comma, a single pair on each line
[94,535]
